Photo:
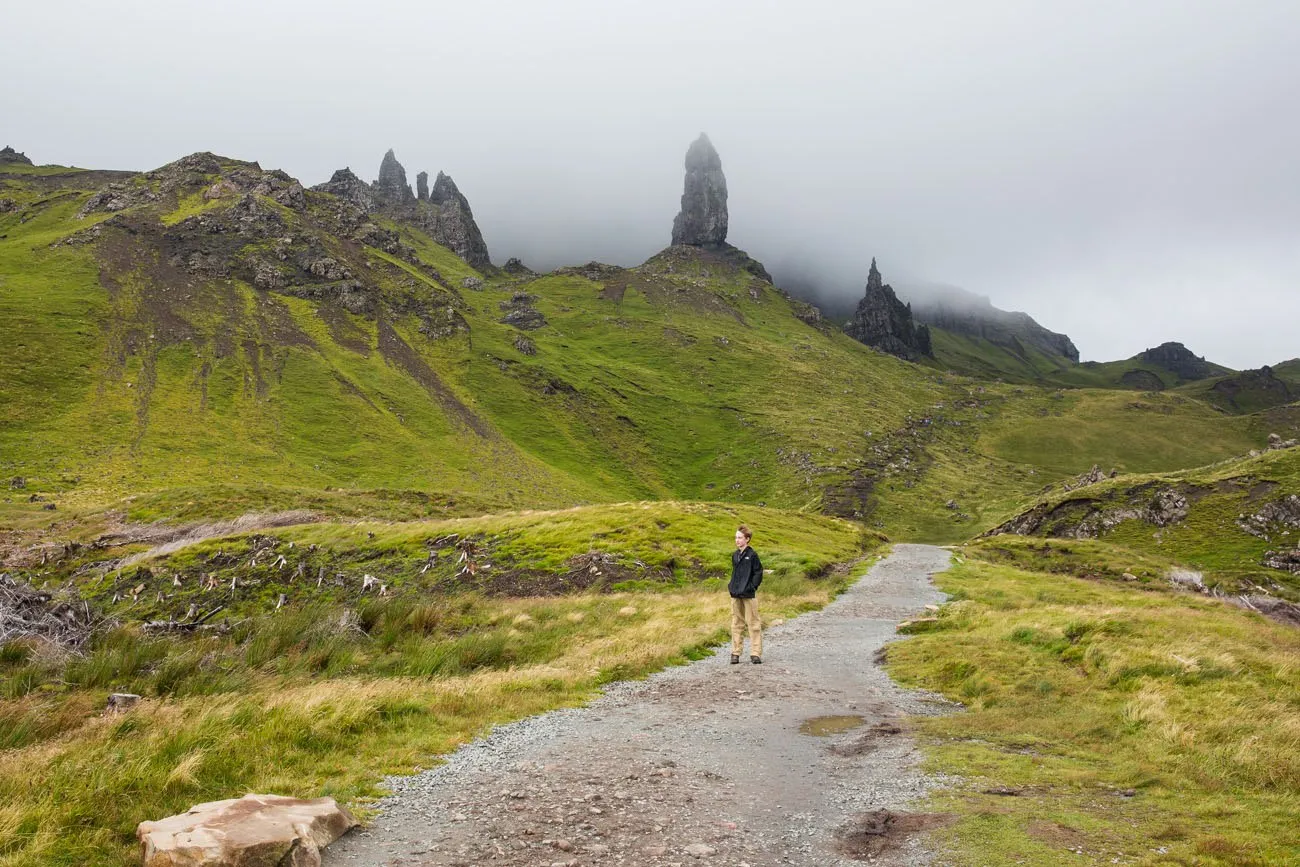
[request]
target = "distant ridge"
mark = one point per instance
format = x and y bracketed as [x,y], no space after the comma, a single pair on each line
[961,312]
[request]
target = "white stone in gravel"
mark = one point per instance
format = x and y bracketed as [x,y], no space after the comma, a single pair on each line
[700,850]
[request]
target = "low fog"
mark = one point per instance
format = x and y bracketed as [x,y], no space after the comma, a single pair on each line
[1125,173]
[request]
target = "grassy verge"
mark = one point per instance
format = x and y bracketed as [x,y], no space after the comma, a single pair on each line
[1120,723]
[330,692]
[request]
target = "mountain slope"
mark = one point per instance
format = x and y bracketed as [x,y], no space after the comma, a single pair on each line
[210,338]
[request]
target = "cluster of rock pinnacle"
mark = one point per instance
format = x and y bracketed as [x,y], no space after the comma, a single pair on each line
[442,211]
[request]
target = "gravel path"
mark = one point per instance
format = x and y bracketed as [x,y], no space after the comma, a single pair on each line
[699,764]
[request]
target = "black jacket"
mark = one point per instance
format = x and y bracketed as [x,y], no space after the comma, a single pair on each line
[746,573]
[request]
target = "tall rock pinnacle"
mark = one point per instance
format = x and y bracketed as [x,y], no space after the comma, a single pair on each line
[392,187]
[703,218]
[422,186]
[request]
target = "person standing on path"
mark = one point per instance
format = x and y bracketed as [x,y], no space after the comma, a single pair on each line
[746,575]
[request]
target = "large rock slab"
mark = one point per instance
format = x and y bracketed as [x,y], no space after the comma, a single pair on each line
[252,831]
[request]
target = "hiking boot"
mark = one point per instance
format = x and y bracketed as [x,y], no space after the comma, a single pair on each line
[755,660]
[735,659]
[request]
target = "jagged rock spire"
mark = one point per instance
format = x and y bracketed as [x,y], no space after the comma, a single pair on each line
[702,221]
[885,323]
[422,186]
[392,187]
[874,281]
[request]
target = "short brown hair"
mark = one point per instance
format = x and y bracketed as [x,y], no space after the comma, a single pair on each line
[745,531]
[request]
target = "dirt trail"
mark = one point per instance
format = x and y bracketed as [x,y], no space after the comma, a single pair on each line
[700,764]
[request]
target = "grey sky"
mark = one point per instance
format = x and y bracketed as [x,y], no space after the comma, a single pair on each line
[1127,172]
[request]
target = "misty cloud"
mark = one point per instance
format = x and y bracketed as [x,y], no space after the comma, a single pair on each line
[1125,173]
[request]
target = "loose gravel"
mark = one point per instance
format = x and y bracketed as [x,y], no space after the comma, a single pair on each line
[698,764]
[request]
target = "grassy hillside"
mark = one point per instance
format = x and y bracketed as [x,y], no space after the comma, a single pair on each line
[1023,364]
[1107,721]
[408,499]
[993,450]
[1224,519]
[981,358]
[209,339]
[1251,390]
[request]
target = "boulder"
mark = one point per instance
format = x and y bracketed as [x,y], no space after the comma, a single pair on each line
[121,702]
[702,221]
[252,831]
[515,267]
[1276,442]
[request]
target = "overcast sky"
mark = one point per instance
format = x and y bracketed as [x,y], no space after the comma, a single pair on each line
[1126,172]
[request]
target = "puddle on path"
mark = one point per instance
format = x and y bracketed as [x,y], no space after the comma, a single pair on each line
[825,726]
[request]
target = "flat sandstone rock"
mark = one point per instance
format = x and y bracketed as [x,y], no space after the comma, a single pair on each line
[252,831]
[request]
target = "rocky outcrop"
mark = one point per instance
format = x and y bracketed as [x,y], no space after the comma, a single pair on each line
[454,224]
[1251,391]
[1087,518]
[883,322]
[239,181]
[515,267]
[9,156]
[1286,560]
[441,211]
[1092,477]
[521,313]
[1179,360]
[350,188]
[1278,518]
[252,831]
[702,221]
[1276,442]
[391,188]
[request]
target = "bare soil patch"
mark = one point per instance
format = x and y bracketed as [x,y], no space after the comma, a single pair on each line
[880,831]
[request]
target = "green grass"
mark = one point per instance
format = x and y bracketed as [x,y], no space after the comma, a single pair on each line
[330,693]
[978,357]
[598,464]
[1079,691]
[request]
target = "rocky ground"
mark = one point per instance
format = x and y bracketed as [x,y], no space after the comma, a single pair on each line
[802,760]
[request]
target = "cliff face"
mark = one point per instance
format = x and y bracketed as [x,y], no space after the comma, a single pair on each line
[962,312]
[883,322]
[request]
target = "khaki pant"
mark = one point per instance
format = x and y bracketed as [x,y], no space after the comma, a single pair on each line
[744,612]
